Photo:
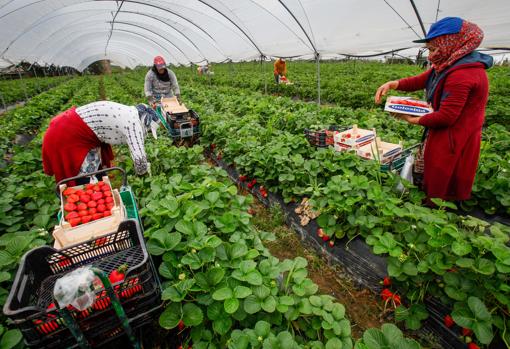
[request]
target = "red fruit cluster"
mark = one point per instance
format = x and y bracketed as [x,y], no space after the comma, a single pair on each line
[386,281]
[252,183]
[325,237]
[410,102]
[93,202]
[263,191]
[387,295]
[243,178]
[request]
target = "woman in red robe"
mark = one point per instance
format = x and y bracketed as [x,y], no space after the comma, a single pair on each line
[457,88]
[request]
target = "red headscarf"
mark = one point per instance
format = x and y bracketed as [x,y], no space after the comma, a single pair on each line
[452,47]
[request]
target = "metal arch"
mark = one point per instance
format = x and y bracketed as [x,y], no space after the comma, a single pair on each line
[177,30]
[86,48]
[102,11]
[419,18]
[234,23]
[135,2]
[99,54]
[278,19]
[161,36]
[300,26]
[113,23]
[115,30]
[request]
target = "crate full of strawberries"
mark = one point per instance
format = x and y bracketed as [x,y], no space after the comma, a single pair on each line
[407,105]
[87,211]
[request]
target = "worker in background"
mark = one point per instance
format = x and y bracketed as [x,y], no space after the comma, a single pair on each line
[280,69]
[457,88]
[79,140]
[160,82]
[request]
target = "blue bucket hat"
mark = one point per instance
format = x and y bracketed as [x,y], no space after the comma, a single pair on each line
[148,118]
[447,25]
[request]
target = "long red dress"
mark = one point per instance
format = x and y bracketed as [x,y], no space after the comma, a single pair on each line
[454,128]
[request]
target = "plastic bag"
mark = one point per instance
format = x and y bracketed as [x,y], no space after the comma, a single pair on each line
[75,288]
[406,172]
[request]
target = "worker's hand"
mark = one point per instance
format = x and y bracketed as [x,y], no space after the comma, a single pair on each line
[383,90]
[409,118]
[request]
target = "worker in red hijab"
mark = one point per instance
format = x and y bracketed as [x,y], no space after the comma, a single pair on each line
[457,88]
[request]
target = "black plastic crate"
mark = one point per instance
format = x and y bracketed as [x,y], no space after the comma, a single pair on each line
[185,125]
[31,293]
[322,138]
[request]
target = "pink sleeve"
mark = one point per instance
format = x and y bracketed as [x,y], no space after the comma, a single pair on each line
[414,83]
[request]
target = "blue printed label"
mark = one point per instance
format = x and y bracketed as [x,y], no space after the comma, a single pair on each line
[409,109]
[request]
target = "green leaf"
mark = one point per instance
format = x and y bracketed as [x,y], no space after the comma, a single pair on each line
[269,304]
[479,309]
[334,343]
[483,332]
[222,325]
[10,339]
[392,334]
[484,266]
[252,304]
[262,328]
[222,294]
[461,248]
[192,314]
[231,305]
[242,292]
[170,316]
[254,278]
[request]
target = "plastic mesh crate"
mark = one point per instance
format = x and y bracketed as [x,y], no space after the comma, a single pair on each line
[398,161]
[322,138]
[31,293]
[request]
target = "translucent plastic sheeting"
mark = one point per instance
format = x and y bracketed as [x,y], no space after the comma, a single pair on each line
[131,32]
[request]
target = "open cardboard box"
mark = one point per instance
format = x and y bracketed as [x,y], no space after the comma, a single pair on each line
[353,138]
[380,151]
[172,106]
[65,235]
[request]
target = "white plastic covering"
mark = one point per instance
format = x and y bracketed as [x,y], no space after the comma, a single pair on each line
[76,32]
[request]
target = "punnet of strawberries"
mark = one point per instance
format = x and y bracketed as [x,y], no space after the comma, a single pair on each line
[92,202]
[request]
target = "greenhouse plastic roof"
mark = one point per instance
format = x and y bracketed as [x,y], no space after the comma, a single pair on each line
[131,32]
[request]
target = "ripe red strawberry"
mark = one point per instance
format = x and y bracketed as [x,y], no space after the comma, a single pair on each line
[97,216]
[108,199]
[89,192]
[89,186]
[320,232]
[243,178]
[396,299]
[100,202]
[331,243]
[75,221]
[325,237]
[110,205]
[101,208]
[105,188]
[97,195]
[92,210]
[473,346]
[79,192]
[81,206]
[85,219]
[72,215]
[100,183]
[82,213]
[96,188]
[107,193]
[73,198]
[107,213]
[213,146]
[69,207]
[180,325]
[386,281]
[118,274]
[69,191]
[466,331]
[91,204]
[386,294]
[448,321]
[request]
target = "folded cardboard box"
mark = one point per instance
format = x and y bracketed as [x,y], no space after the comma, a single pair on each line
[378,150]
[353,138]
[407,105]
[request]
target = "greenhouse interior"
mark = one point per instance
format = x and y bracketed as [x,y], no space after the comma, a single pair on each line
[248,174]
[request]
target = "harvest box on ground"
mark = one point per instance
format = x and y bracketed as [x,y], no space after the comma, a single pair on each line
[353,138]
[407,105]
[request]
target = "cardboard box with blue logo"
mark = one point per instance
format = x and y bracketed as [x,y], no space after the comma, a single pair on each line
[407,105]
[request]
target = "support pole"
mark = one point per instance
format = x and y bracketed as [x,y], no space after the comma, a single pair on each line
[419,18]
[24,85]
[318,62]
[3,101]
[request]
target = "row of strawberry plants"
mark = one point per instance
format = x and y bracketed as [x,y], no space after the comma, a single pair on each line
[28,204]
[348,84]
[12,91]
[430,252]
[219,279]
[28,118]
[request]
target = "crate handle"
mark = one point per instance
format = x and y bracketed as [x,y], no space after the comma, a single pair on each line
[110,169]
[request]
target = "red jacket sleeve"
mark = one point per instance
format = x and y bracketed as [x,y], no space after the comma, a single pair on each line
[455,95]
[414,83]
